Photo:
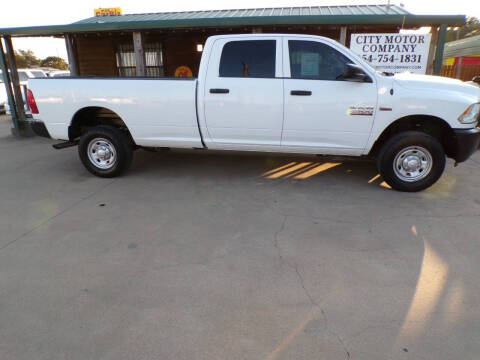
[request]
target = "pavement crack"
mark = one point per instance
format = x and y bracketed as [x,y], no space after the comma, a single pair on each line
[305,290]
[56,215]
[294,267]
[339,338]
[275,238]
[307,293]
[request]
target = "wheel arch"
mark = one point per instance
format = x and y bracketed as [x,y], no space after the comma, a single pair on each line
[90,116]
[432,125]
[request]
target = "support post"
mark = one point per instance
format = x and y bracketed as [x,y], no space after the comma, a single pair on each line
[431,50]
[437,65]
[343,35]
[20,109]
[139,53]
[459,67]
[8,87]
[71,54]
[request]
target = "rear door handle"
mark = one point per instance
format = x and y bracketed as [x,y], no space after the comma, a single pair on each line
[300,92]
[219,91]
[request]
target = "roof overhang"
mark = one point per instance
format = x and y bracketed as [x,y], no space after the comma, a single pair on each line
[464,47]
[101,24]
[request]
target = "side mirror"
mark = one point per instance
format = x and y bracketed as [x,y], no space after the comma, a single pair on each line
[354,72]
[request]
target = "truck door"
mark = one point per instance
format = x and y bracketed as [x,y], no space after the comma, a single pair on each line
[244,92]
[322,110]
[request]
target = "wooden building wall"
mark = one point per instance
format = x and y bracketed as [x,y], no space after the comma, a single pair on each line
[96,57]
[467,72]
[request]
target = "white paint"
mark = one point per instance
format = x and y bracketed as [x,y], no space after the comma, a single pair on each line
[321,122]
[252,112]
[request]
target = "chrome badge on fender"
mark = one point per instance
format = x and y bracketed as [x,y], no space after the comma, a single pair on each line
[360,110]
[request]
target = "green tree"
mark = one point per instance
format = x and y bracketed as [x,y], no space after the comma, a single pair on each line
[54,62]
[26,59]
[470,28]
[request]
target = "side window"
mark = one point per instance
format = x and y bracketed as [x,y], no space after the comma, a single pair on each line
[251,58]
[314,60]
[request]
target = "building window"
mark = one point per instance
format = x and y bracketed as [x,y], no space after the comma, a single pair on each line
[153,60]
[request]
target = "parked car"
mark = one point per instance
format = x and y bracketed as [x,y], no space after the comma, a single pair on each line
[59,73]
[3,97]
[272,93]
[23,76]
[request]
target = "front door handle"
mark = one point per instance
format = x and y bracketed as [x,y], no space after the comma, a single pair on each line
[219,91]
[300,92]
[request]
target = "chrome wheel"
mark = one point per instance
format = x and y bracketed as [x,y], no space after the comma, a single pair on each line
[101,153]
[412,163]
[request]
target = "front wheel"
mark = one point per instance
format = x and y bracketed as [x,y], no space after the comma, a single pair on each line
[105,151]
[411,161]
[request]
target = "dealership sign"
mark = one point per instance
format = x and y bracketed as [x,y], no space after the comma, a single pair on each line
[108,12]
[393,53]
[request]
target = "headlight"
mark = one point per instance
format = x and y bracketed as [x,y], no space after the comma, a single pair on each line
[470,115]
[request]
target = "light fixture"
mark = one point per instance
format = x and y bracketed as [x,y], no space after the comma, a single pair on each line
[199,47]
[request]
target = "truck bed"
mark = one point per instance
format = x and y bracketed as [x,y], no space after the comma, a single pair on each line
[156,111]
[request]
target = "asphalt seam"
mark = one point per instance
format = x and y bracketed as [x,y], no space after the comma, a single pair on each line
[56,215]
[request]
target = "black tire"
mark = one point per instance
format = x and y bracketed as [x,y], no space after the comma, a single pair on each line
[396,150]
[115,141]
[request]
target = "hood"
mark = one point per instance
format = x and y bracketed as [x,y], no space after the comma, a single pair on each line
[435,83]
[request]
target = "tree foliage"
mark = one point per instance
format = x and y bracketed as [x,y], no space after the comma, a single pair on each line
[471,28]
[54,62]
[26,59]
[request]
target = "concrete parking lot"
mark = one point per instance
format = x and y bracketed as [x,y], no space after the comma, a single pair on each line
[198,255]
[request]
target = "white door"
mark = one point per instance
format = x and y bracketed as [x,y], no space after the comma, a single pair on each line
[244,92]
[324,112]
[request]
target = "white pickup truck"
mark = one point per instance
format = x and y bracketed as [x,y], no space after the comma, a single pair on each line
[271,93]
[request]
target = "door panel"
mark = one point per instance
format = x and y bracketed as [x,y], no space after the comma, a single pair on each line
[244,92]
[326,118]
[322,110]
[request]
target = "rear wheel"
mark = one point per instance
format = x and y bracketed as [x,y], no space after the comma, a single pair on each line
[105,151]
[411,161]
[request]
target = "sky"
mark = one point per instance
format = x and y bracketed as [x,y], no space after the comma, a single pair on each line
[32,13]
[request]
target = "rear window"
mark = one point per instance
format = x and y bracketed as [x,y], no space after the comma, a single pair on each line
[251,58]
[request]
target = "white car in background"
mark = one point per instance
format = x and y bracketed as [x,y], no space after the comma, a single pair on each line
[59,73]
[23,76]
[3,98]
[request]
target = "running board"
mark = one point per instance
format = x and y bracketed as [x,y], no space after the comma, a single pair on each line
[65,144]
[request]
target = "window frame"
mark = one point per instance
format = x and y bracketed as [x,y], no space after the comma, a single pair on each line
[213,67]
[286,57]
[128,48]
[249,77]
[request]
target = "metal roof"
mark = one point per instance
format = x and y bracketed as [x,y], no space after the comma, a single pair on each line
[313,15]
[464,47]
